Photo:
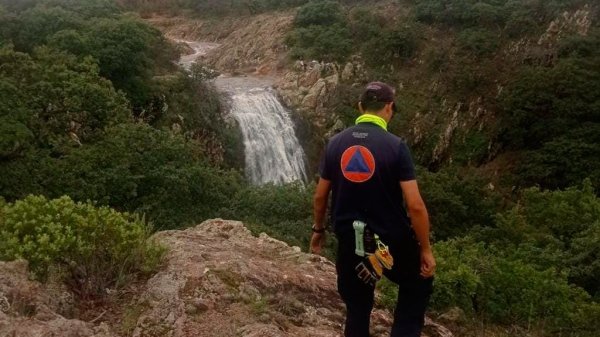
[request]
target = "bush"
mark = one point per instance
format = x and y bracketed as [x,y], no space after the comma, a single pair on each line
[320,32]
[456,203]
[96,248]
[481,281]
[557,228]
[283,212]
[391,46]
[125,48]
[478,41]
[54,100]
[319,13]
[327,43]
[140,169]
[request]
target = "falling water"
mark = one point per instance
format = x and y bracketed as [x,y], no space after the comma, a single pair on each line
[273,153]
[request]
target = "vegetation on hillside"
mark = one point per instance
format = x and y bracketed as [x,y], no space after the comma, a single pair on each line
[89,248]
[537,103]
[93,113]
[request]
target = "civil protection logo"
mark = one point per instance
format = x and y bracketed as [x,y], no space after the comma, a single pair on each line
[357,164]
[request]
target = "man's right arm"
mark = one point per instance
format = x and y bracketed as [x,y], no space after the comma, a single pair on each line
[320,210]
[420,222]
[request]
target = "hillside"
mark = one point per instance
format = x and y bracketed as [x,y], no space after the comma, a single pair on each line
[106,139]
[217,280]
[459,71]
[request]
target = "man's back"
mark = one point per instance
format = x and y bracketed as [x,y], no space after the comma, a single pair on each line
[365,164]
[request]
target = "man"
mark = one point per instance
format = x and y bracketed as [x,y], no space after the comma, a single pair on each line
[372,176]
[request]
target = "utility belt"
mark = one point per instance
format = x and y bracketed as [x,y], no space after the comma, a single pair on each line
[376,254]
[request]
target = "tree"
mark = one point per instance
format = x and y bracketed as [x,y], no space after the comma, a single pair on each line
[57,98]
[136,168]
[36,25]
[125,49]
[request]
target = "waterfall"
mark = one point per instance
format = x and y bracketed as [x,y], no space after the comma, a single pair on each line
[272,151]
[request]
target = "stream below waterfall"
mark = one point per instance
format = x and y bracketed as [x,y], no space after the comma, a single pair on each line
[272,151]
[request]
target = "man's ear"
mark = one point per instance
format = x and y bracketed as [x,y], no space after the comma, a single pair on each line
[360,108]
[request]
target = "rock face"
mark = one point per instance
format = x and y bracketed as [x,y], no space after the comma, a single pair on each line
[218,281]
[257,48]
[222,281]
[248,44]
[309,86]
[29,309]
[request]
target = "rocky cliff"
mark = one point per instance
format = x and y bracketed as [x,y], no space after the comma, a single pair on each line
[218,280]
[249,44]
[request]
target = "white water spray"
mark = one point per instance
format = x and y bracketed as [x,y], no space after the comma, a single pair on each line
[273,153]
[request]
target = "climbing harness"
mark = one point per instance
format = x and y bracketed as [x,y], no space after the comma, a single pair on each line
[377,254]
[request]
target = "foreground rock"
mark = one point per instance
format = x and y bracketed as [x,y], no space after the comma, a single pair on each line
[29,309]
[218,281]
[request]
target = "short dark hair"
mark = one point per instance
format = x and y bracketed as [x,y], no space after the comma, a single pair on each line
[372,106]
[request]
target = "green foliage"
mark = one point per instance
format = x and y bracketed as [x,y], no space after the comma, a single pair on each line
[87,8]
[389,46]
[320,32]
[220,8]
[478,41]
[125,49]
[95,247]
[36,25]
[509,14]
[193,104]
[51,100]
[140,169]
[456,202]
[319,13]
[565,160]
[553,112]
[556,223]
[329,43]
[481,281]
[283,211]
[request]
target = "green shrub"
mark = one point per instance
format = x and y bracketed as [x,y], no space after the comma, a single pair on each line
[479,42]
[456,203]
[53,100]
[481,281]
[282,211]
[96,248]
[328,43]
[140,169]
[320,32]
[557,228]
[391,46]
[319,13]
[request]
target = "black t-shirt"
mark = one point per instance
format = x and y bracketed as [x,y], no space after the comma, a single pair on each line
[365,165]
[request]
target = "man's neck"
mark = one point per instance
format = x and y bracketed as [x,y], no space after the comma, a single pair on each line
[372,118]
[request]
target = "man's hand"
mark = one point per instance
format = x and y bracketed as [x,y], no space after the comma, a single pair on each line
[427,263]
[317,242]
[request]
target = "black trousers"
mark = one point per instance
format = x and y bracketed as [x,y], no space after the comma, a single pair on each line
[413,292]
